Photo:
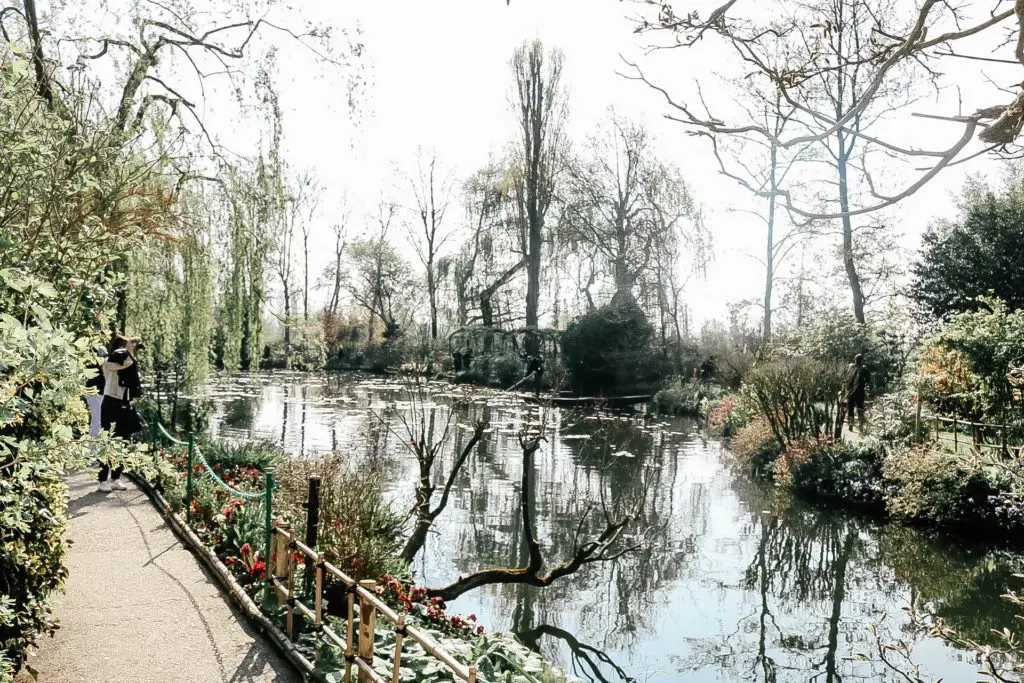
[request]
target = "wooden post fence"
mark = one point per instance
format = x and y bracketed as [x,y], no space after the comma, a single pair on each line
[281,550]
[357,647]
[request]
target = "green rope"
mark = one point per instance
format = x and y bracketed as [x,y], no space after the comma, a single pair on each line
[220,482]
[169,437]
[217,480]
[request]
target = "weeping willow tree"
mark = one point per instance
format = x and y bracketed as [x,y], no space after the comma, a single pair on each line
[170,299]
[255,193]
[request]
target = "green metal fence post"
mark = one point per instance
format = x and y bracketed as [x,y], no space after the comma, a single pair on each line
[152,433]
[266,530]
[188,478]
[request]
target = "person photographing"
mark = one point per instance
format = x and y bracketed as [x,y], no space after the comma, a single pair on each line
[122,383]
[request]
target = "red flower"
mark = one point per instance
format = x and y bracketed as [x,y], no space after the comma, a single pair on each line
[480,630]
[245,550]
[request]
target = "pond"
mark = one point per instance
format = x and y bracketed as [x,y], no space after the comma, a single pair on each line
[728,583]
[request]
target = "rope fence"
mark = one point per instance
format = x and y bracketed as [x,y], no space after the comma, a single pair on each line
[363,604]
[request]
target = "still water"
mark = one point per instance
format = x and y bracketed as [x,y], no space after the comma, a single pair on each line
[728,584]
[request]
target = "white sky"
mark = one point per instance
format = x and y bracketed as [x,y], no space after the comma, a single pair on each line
[439,77]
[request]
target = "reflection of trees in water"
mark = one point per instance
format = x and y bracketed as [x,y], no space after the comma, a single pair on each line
[959,582]
[805,582]
[239,412]
[802,568]
[617,602]
[586,660]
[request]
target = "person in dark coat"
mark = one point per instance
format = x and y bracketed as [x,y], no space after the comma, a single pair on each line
[535,367]
[856,390]
[122,383]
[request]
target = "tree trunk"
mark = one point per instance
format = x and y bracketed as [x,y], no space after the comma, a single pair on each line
[42,80]
[844,207]
[766,332]
[421,512]
[533,280]
[432,290]
[287,327]
[305,275]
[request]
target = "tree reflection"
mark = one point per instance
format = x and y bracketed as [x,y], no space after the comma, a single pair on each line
[587,660]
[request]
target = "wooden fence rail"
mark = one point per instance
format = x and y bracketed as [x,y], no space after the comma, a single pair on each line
[358,649]
[969,433]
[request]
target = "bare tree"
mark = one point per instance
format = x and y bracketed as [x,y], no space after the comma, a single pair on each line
[763,181]
[306,199]
[540,105]
[334,273]
[623,204]
[379,277]
[839,64]
[431,191]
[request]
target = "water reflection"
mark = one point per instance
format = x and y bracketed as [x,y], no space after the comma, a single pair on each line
[728,584]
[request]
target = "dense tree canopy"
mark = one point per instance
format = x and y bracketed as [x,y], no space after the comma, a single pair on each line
[977,254]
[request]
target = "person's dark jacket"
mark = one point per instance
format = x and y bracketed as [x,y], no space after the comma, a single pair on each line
[127,377]
[96,382]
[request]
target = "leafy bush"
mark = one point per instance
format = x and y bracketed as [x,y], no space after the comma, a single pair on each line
[725,415]
[756,447]
[893,417]
[799,397]
[925,484]
[680,396]
[359,532]
[968,361]
[837,337]
[833,470]
[610,350]
[261,455]
[307,351]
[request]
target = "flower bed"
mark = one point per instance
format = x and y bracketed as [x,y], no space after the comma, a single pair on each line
[234,529]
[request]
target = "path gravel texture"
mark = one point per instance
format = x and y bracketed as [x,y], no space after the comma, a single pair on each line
[139,607]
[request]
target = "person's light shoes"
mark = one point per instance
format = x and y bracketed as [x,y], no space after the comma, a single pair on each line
[118,485]
[105,487]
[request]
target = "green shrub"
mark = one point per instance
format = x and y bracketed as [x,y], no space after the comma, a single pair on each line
[837,337]
[506,369]
[725,415]
[756,447]
[834,470]
[970,358]
[925,484]
[799,397]
[893,417]
[682,397]
[610,350]
[262,455]
[359,532]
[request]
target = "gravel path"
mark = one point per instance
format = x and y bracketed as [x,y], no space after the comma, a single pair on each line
[139,606]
